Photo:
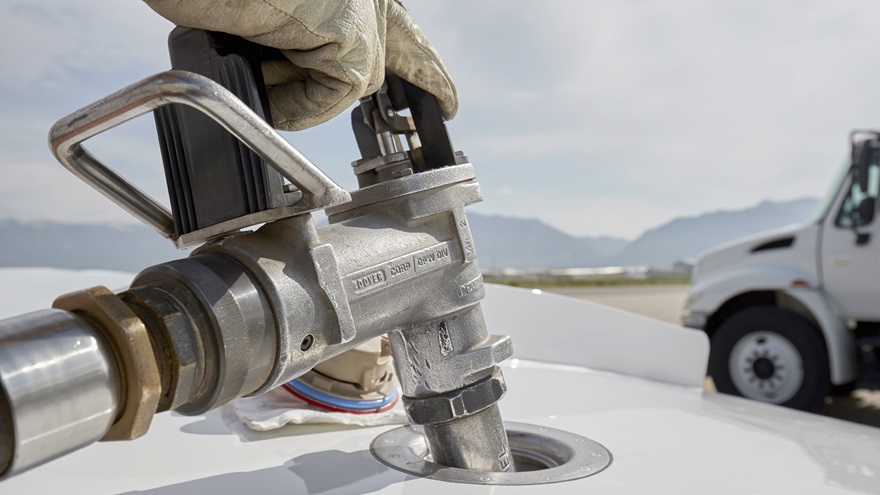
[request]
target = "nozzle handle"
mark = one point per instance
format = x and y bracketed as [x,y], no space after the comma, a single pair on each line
[212,99]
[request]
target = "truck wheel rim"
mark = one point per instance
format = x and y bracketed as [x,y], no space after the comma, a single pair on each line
[766,366]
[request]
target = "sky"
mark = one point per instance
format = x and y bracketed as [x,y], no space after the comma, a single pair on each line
[597,117]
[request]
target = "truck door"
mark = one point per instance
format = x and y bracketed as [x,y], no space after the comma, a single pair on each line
[850,252]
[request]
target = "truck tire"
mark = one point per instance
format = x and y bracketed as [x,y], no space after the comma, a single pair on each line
[772,355]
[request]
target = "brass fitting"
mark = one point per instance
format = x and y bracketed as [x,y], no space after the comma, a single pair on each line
[127,335]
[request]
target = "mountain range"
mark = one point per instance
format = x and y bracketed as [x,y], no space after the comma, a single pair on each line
[684,238]
[60,245]
[502,242]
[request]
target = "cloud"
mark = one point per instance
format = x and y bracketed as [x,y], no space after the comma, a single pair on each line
[43,190]
[579,215]
[676,106]
[592,107]
[53,42]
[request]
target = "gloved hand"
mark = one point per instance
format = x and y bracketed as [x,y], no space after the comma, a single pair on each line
[336,50]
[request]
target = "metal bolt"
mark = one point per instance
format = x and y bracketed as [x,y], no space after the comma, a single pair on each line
[307,343]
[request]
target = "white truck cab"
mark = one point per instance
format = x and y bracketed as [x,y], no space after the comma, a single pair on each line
[794,311]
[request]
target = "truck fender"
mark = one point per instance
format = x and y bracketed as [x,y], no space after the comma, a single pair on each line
[709,297]
[839,340]
[715,290]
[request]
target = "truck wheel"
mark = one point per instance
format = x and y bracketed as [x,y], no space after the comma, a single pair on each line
[772,355]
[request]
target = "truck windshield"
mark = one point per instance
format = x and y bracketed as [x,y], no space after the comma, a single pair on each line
[841,175]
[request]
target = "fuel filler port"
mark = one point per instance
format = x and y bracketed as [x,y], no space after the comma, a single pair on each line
[540,455]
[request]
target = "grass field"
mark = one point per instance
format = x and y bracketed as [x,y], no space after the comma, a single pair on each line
[540,283]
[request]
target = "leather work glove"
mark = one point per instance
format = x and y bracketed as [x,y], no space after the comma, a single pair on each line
[336,51]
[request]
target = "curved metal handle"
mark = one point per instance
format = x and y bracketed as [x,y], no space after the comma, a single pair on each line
[205,95]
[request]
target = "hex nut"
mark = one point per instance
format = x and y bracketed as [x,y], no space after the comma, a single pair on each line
[177,348]
[496,349]
[127,335]
[184,359]
[458,403]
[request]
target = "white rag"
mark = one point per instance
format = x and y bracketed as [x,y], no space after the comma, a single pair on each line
[279,407]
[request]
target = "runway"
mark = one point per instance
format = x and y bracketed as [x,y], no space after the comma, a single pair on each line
[665,302]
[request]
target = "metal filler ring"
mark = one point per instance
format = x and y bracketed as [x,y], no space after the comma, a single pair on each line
[541,455]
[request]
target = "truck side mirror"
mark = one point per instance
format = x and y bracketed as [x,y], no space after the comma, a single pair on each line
[866,210]
[861,158]
[864,143]
[863,215]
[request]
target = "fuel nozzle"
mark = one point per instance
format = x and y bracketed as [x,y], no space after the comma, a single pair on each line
[252,310]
